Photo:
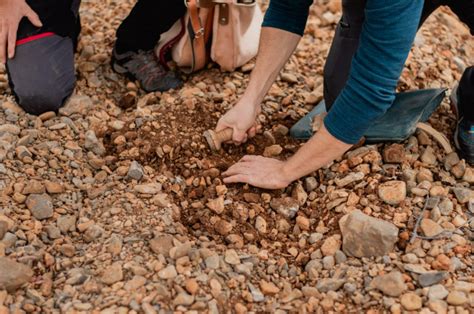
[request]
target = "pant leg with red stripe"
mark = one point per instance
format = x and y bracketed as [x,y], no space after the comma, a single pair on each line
[42,75]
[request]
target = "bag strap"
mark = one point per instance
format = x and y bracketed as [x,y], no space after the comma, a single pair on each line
[199,35]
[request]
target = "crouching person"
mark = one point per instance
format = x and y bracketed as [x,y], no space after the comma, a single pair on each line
[37,40]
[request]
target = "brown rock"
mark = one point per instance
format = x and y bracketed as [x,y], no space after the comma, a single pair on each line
[392,192]
[216,205]
[394,153]
[430,228]
[162,245]
[33,187]
[223,227]
[303,223]
[268,288]
[53,187]
[391,284]
[331,245]
[272,151]
[13,275]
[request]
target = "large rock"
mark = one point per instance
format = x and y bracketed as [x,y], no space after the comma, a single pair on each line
[40,206]
[287,206]
[365,236]
[13,275]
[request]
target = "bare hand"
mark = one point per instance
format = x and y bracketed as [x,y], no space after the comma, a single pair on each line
[267,173]
[11,13]
[242,120]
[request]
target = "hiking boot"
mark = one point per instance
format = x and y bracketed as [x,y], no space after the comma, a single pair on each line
[144,67]
[464,135]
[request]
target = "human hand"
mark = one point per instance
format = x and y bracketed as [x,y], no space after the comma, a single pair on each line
[11,13]
[262,172]
[242,120]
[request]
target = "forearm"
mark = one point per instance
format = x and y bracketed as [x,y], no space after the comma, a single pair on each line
[318,152]
[276,47]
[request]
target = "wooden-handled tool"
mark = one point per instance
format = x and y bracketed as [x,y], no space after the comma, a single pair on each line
[215,139]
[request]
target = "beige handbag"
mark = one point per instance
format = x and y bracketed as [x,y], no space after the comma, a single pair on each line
[226,31]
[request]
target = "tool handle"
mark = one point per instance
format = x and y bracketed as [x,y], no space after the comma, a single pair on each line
[224,135]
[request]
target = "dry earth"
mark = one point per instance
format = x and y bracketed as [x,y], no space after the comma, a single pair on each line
[112,209]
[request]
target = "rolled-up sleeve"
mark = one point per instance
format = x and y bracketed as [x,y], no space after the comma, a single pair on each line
[387,35]
[288,15]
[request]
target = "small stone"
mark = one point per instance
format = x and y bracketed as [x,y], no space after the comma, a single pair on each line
[3,229]
[331,245]
[168,272]
[431,278]
[76,104]
[365,236]
[149,188]
[287,206]
[135,171]
[212,262]
[450,160]
[350,178]
[468,175]
[268,288]
[183,299]
[223,227]
[93,144]
[310,183]
[40,205]
[410,301]
[53,187]
[329,284]
[272,151]
[438,306]
[446,207]
[303,223]
[428,157]
[162,245]
[328,262]
[216,205]
[289,77]
[391,284]
[135,283]
[340,257]
[112,274]
[192,286]
[22,152]
[34,187]
[66,223]
[92,233]
[430,228]
[299,194]
[437,292]
[463,194]
[394,154]
[261,225]
[257,295]
[459,169]
[115,244]
[9,128]
[13,274]
[457,298]
[231,257]
[392,192]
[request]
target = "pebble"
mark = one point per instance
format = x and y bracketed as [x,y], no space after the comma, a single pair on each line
[216,205]
[331,245]
[76,104]
[272,151]
[183,299]
[66,223]
[391,284]
[231,257]
[437,292]
[149,188]
[112,274]
[392,192]
[93,144]
[289,77]
[40,206]
[310,184]
[3,229]
[463,195]
[410,301]
[257,295]
[431,278]
[456,298]
[261,225]
[268,288]
[350,178]
[287,206]
[13,274]
[365,236]
[430,228]
[395,153]
[168,272]
[329,284]
[303,223]
[135,171]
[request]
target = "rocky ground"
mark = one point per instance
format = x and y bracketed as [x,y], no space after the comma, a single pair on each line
[116,204]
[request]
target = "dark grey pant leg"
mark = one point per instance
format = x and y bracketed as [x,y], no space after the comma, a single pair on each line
[42,74]
[343,48]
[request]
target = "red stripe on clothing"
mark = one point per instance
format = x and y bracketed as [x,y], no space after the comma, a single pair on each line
[34,37]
